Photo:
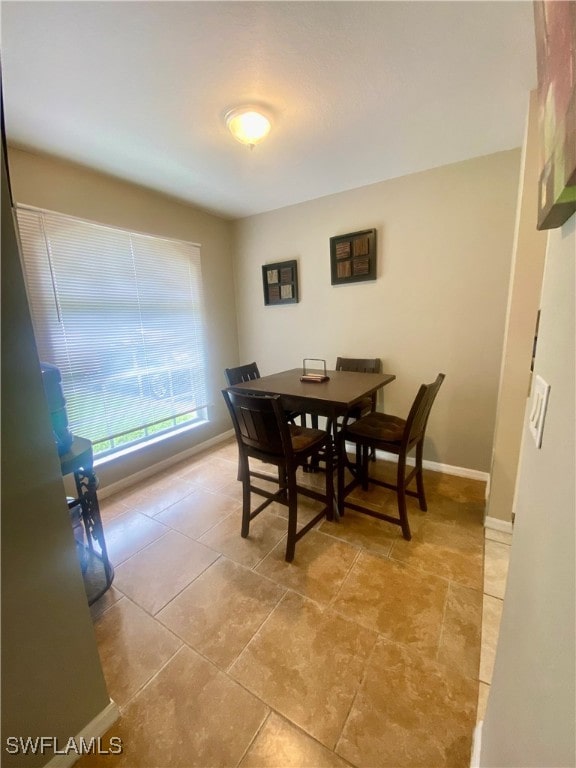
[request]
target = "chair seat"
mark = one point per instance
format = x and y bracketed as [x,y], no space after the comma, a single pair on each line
[378,426]
[305,438]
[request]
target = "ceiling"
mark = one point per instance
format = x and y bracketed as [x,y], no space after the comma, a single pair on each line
[360,91]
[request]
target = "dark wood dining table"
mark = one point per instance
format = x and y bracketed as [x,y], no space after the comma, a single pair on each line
[331,398]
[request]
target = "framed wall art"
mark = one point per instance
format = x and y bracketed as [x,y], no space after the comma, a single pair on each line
[280,282]
[555,25]
[353,257]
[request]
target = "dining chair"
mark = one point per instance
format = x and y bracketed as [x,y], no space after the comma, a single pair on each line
[264,434]
[394,435]
[248,372]
[241,373]
[360,365]
[368,404]
[365,406]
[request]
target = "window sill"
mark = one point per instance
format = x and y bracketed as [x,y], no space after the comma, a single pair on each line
[132,449]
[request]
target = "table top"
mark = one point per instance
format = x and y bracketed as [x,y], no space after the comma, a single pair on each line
[343,389]
[79,456]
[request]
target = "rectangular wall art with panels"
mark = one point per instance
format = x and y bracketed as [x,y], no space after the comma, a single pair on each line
[280,282]
[353,257]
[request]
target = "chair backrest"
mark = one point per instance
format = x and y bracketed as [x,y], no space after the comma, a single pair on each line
[242,373]
[360,365]
[259,423]
[420,411]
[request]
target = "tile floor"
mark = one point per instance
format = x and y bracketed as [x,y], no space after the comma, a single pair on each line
[363,652]
[496,559]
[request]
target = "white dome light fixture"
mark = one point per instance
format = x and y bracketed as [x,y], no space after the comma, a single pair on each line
[249,125]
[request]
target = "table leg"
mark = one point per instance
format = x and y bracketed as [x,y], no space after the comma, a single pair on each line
[86,485]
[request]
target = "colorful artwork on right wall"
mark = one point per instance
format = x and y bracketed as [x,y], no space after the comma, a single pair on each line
[555,23]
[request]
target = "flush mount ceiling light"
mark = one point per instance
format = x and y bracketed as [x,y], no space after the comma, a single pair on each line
[249,125]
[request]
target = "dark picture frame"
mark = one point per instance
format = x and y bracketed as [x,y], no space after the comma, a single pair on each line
[280,281]
[353,257]
[555,26]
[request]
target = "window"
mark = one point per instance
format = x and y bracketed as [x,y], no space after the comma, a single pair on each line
[121,316]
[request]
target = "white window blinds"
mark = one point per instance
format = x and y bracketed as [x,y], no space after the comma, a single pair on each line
[121,315]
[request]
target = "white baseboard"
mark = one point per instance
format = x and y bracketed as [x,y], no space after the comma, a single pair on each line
[127,482]
[498,525]
[95,728]
[476,745]
[434,466]
[450,469]
[132,480]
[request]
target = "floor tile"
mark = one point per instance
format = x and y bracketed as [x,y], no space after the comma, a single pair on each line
[483,693]
[190,715]
[307,510]
[409,713]
[380,499]
[196,681]
[164,492]
[233,489]
[502,536]
[454,487]
[132,647]
[496,561]
[318,569]
[108,599]
[307,664]
[196,513]
[211,474]
[281,745]
[394,600]
[266,531]
[362,531]
[461,630]
[227,450]
[445,550]
[466,515]
[221,610]
[159,572]
[385,501]
[491,616]
[112,506]
[129,533]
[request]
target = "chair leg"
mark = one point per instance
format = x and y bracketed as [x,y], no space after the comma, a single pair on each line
[329,483]
[420,478]
[282,481]
[244,472]
[359,460]
[340,470]
[365,455]
[292,517]
[401,491]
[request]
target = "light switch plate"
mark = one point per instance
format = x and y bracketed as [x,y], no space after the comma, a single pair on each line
[540,394]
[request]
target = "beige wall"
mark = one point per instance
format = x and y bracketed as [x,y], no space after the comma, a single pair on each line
[523,303]
[444,248]
[52,682]
[445,241]
[59,186]
[531,713]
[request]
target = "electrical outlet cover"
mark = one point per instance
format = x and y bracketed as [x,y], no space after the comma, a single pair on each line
[540,394]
